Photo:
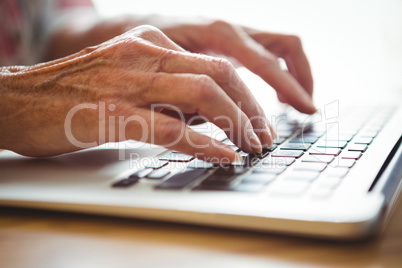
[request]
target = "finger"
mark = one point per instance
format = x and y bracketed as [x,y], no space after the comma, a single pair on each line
[225,75]
[191,119]
[154,36]
[300,69]
[260,61]
[288,47]
[152,127]
[190,93]
[264,64]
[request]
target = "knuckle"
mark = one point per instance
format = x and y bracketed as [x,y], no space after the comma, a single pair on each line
[270,61]
[205,88]
[164,58]
[294,42]
[220,25]
[150,33]
[224,66]
[170,131]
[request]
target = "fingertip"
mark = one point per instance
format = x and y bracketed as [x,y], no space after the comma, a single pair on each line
[266,137]
[255,143]
[230,154]
[310,108]
[305,105]
[273,134]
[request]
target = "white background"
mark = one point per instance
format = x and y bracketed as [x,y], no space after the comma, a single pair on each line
[354,47]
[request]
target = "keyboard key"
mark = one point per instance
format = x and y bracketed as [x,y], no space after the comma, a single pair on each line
[267,150]
[234,147]
[334,135]
[345,137]
[348,163]
[338,172]
[260,177]
[302,175]
[230,170]
[311,135]
[176,167]
[248,187]
[158,174]
[219,135]
[227,141]
[289,188]
[362,140]
[133,178]
[155,163]
[285,126]
[197,163]
[357,147]
[251,160]
[287,153]
[218,181]
[269,169]
[311,166]
[307,139]
[295,146]
[226,179]
[284,133]
[318,158]
[331,144]
[324,151]
[368,133]
[126,182]
[310,126]
[351,155]
[278,141]
[181,180]
[278,161]
[241,187]
[329,182]
[176,157]
[141,173]
[241,153]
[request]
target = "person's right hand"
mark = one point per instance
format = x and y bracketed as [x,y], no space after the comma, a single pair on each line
[129,74]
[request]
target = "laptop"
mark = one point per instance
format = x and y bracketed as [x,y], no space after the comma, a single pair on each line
[334,175]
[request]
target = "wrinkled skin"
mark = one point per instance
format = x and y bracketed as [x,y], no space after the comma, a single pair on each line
[143,67]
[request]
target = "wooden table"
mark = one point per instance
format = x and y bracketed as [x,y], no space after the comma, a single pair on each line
[38,239]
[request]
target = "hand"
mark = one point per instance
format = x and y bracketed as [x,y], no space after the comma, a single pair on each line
[129,75]
[256,50]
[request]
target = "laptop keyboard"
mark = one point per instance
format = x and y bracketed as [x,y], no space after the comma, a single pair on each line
[305,154]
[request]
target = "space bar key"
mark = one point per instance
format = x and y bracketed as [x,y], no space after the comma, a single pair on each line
[180,180]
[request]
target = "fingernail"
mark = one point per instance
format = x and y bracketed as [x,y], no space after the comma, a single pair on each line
[229,152]
[266,137]
[255,143]
[273,132]
[308,100]
[238,158]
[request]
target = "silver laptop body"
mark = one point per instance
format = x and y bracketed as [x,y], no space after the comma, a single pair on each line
[330,197]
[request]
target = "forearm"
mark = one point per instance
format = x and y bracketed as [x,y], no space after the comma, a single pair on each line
[85,31]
